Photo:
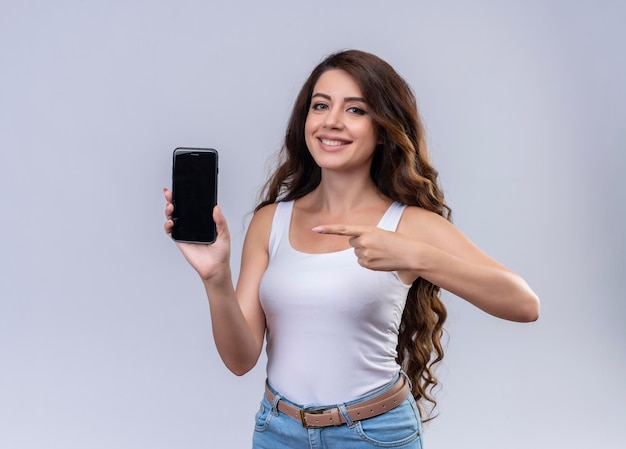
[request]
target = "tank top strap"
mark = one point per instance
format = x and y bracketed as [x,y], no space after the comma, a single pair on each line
[280,225]
[391,218]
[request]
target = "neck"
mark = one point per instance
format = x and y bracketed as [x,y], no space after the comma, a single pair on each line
[340,193]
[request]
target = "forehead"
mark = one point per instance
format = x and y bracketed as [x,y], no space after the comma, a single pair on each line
[337,83]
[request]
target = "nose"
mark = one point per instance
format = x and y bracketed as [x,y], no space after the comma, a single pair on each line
[332,118]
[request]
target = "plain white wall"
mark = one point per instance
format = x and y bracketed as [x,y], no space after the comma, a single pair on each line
[105,338]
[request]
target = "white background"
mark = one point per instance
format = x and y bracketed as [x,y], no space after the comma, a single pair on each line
[105,337]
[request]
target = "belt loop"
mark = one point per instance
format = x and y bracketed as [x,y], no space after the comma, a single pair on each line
[346,416]
[406,376]
[277,398]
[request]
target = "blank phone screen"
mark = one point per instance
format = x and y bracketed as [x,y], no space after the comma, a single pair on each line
[194,188]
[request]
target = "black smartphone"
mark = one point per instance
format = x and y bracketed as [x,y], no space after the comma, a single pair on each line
[194,194]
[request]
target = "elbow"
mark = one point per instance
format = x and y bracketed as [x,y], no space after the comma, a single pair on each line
[238,362]
[529,312]
[239,372]
[527,305]
[240,369]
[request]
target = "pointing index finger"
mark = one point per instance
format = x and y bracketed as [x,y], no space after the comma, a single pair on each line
[340,229]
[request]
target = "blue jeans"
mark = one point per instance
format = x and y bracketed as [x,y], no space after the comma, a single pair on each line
[400,428]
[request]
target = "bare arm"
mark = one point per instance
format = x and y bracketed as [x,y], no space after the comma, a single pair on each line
[447,258]
[237,318]
[428,246]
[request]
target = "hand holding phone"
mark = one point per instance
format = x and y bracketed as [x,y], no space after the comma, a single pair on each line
[194,194]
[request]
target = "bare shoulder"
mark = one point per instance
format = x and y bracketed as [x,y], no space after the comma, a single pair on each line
[417,221]
[261,223]
[432,228]
[265,214]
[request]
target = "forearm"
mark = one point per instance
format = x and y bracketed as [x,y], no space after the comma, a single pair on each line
[233,336]
[494,289]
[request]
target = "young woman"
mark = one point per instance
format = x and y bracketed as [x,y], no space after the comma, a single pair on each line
[342,266]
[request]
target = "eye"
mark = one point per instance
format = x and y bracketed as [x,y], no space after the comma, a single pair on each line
[319,106]
[356,110]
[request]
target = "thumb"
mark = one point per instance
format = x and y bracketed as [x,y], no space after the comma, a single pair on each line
[220,221]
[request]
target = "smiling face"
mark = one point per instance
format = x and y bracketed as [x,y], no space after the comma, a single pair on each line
[339,131]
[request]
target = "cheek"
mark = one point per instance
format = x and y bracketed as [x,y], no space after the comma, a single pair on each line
[309,128]
[368,132]
[376,137]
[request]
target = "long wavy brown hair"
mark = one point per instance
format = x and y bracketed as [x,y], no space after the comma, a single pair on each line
[401,170]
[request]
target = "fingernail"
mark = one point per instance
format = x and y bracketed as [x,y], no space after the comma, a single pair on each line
[319,229]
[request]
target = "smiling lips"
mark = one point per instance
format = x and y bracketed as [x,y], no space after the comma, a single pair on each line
[333,143]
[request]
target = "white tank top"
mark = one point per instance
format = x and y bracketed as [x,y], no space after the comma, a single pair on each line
[332,325]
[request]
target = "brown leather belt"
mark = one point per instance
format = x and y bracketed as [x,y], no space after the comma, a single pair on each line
[375,406]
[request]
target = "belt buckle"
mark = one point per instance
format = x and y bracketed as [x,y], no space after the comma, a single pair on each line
[319,411]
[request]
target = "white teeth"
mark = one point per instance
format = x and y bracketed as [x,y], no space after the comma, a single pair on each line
[332,143]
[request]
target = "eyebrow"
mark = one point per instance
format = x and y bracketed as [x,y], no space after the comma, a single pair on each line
[327,97]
